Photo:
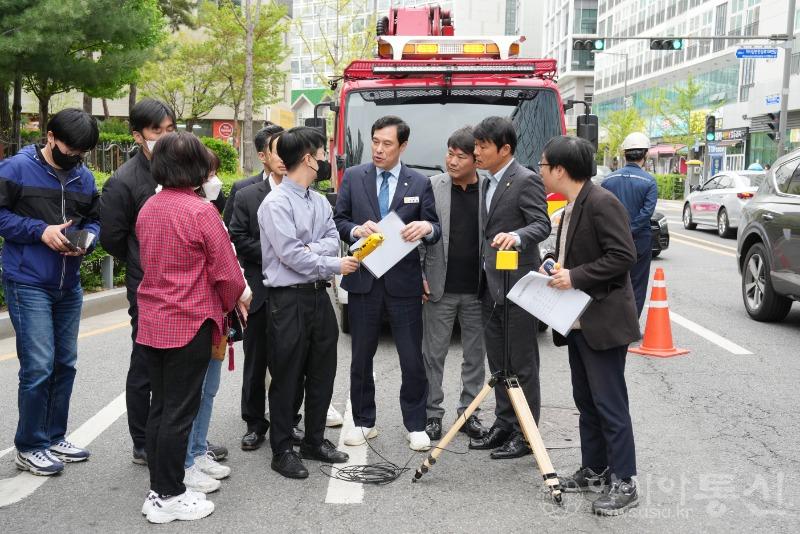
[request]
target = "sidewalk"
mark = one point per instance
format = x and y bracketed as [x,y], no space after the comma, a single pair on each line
[93,304]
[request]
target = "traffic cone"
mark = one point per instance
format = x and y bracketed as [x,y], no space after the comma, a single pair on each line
[658,330]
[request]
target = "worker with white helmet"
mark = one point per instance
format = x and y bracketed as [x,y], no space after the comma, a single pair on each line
[637,190]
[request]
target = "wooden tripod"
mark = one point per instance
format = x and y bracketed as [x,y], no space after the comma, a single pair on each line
[515,395]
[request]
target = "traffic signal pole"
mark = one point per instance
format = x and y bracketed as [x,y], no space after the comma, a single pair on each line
[787,59]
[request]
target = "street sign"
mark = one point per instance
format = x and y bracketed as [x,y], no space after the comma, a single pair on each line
[773,100]
[757,53]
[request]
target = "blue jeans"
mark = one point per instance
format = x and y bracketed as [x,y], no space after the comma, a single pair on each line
[197,438]
[46,324]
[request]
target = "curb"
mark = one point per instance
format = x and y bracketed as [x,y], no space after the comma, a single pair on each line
[93,304]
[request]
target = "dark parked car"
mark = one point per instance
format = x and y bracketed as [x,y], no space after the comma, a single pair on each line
[768,244]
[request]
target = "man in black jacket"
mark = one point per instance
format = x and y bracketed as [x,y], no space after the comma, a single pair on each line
[262,147]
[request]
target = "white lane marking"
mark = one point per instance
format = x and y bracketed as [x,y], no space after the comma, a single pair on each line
[16,488]
[3,453]
[339,491]
[696,245]
[705,241]
[730,346]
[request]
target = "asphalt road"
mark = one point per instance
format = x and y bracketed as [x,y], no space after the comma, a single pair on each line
[716,436]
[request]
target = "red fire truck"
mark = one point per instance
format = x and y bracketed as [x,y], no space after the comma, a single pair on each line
[438,82]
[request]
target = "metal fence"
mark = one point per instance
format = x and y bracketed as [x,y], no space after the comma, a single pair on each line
[107,157]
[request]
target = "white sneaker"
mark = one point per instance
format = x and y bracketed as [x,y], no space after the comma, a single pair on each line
[334,417]
[148,502]
[419,441]
[196,480]
[359,435]
[68,452]
[186,507]
[211,467]
[39,463]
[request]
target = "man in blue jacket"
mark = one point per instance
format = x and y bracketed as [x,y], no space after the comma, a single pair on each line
[49,220]
[637,190]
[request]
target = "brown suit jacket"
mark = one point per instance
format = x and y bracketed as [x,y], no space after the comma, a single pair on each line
[600,254]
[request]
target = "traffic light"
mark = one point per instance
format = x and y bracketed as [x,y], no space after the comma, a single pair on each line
[711,128]
[588,44]
[666,44]
[774,124]
[588,127]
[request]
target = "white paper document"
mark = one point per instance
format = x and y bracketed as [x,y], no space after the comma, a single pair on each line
[559,308]
[392,250]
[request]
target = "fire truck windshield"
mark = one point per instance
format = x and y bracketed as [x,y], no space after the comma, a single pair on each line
[435,113]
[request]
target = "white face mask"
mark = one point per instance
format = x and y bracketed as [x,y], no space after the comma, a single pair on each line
[150,145]
[212,188]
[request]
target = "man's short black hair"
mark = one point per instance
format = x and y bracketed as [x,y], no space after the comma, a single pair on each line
[264,135]
[294,144]
[272,138]
[403,130]
[574,154]
[149,113]
[180,160]
[498,130]
[75,128]
[464,140]
[635,155]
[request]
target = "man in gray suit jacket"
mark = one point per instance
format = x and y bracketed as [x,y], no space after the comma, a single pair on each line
[451,268]
[514,215]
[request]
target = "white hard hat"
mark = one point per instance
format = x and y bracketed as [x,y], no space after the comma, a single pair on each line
[636,140]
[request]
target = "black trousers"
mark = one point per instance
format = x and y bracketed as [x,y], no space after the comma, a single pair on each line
[137,384]
[176,376]
[256,358]
[640,274]
[601,396]
[523,360]
[405,318]
[302,337]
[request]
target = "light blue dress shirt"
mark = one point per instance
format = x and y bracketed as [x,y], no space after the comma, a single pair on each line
[299,241]
[494,181]
[395,176]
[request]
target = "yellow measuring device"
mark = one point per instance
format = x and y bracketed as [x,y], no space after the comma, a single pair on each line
[370,244]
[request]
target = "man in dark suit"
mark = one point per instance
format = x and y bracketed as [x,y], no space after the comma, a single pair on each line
[514,216]
[367,194]
[595,247]
[260,141]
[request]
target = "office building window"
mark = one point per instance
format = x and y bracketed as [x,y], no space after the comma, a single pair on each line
[748,79]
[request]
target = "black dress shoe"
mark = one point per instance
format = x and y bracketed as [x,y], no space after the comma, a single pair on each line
[140,456]
[252,441]
[297,435]
[515,447]
[325,452]
[493,439]
[434,428]
[473,427]
[289,465]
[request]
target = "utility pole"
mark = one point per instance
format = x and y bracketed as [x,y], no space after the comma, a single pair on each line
[787,65]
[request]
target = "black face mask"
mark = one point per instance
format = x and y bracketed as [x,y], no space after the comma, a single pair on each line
[65,161]
[323,170]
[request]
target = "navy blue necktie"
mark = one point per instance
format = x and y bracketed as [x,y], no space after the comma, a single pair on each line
[383,194]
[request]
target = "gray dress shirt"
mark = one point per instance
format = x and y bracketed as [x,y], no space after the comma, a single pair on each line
[299,242]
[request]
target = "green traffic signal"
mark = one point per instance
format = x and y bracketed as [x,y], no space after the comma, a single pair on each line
[677,44]
[599,44]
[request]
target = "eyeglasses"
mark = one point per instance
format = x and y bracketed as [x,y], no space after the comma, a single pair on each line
[543,163]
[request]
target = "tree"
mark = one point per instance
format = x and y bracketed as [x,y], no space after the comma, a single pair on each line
[620,123]
[61,45]
[338,42]
[675,112]
[183,75]
[228,31]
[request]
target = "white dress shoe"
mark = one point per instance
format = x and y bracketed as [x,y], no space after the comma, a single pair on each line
[419,441]
[359,435]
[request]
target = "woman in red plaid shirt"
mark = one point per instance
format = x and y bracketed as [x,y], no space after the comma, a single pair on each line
[191,280]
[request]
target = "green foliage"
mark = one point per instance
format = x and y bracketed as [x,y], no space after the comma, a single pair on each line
[228,157]
[115,138]
[89,45]
[228,179]
[114,126]
[676,109]
[183,74]
[619,124]
[100,178]
[670,186]
[178,12]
